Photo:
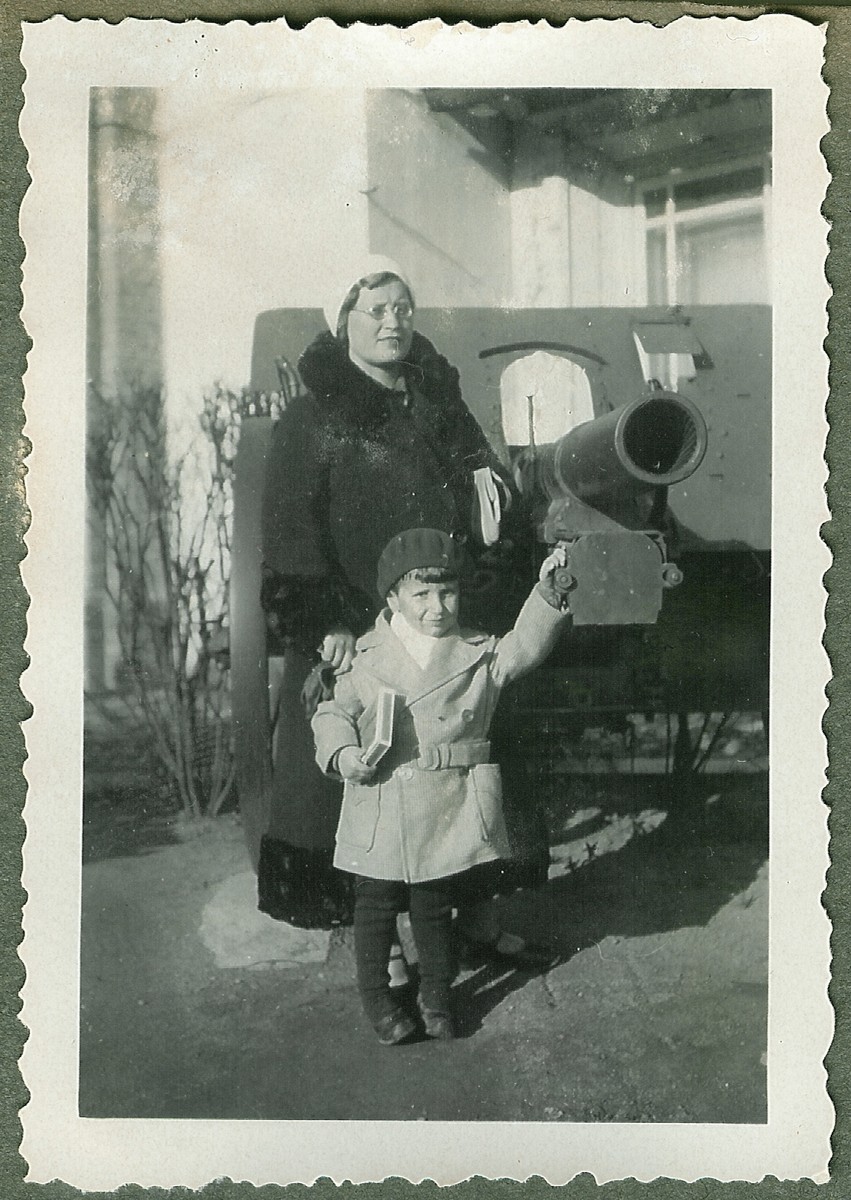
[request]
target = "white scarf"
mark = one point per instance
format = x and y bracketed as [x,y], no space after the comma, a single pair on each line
[419,645]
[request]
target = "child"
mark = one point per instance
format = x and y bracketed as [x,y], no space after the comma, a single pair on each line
[432,807]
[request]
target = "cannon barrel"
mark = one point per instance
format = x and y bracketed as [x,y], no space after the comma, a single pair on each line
[606,482]
[653,441]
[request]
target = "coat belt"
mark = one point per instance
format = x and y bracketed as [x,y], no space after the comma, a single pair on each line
[453,754]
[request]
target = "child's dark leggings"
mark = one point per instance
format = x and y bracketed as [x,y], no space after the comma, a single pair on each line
[377,904]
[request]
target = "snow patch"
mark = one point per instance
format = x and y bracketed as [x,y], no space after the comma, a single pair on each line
[239,935]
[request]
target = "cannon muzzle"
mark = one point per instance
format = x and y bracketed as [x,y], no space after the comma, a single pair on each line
[654,441]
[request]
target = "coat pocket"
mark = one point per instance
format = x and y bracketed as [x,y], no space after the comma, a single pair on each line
[487,790]
[359,816]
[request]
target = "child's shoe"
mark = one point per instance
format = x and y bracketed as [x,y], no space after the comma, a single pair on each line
[394,1028]
[438,1024]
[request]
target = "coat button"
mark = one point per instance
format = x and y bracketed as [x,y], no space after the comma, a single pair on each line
[467,715]
[406,773]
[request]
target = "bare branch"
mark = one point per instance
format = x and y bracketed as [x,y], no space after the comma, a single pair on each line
[166,526]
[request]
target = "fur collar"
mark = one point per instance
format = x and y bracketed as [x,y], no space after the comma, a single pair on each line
[341,387]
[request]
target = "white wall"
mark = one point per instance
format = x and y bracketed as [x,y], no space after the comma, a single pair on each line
[438,203]
[540,223]
[260,194]
[573,229]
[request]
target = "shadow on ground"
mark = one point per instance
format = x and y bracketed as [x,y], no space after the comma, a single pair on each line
[706,852]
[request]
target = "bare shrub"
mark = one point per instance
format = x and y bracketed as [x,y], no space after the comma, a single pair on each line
[166,526]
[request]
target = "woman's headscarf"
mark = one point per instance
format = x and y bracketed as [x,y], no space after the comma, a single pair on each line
[370,264]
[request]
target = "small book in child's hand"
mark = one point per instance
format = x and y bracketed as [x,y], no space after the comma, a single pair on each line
[385,711]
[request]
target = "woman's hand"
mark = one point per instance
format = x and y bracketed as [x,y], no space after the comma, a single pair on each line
[338,649]
[352,767]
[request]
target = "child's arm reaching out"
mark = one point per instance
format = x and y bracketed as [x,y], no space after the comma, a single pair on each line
[537,628]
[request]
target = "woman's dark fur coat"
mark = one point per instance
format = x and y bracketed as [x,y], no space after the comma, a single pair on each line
[351,464]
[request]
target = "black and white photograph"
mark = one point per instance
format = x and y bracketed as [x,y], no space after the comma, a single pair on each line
[441,672]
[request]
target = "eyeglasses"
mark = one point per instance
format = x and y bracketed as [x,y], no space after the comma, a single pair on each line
[402,310]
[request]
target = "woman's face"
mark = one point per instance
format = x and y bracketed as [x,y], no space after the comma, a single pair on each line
[380,326]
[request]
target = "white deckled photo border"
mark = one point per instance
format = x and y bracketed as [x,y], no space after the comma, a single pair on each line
[63,60]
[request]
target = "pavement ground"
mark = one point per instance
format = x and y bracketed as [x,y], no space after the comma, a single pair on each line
[194,1005]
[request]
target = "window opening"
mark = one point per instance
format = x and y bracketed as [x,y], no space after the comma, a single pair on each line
[705,236]
[543,396]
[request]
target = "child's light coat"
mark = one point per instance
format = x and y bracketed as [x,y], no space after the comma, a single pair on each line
[434,806]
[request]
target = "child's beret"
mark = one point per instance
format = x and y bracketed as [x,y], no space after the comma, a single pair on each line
[417,548]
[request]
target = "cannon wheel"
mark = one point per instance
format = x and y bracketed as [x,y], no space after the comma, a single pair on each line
[248,652]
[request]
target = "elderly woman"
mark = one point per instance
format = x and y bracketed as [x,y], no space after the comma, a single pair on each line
[380,442]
